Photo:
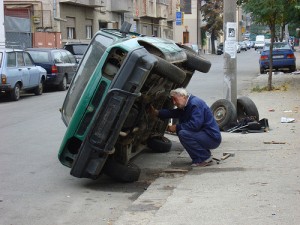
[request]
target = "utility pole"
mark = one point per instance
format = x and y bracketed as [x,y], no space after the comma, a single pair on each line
[230,62]
[199,38]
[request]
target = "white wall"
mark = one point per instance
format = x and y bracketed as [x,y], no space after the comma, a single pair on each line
[189,24]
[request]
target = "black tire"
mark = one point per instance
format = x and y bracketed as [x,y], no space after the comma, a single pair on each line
[196,62]
[246,108]
[39,89]
[159,144]
[122,173]
[165,69]
[15,92]
[224,112]
[261,70]
[63,84]
[292,69]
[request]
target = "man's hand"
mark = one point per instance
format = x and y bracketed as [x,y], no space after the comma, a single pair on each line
[152,111]
[171,128]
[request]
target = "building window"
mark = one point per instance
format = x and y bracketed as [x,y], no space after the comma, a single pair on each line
[71,27]
[89,32]
[186,6]
[70,33]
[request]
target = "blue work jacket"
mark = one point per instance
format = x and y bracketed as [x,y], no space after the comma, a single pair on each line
[196,116]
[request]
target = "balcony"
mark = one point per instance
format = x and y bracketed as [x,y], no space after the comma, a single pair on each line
[121,6]
[161,11]
[88,3]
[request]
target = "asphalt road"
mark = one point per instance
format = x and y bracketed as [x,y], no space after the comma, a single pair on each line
[209,86]
[36,189]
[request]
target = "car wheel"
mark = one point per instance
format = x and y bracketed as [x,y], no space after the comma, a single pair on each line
[169,71]
[159,144]
[63,84]
[196,62]
[120,172]
[224,112]
[246,108]
[261,70]
[292,69]
[39,89]
[15,92]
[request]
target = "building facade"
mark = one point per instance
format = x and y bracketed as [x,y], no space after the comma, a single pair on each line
[51,23]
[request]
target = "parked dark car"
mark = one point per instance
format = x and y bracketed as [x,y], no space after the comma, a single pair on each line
[60,65]
[220,49]
[283,57]
[19,73]
[77,49]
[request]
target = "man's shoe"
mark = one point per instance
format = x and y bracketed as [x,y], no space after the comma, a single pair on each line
[209,159]
[202,164]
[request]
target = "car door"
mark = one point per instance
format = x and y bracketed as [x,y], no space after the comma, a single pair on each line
[74,62]
[25,77]
[34,74]
[13,73]
[69,66]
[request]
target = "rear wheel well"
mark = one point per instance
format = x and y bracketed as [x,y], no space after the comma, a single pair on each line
[151,49]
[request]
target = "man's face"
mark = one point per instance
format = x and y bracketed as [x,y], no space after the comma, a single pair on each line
[179,101]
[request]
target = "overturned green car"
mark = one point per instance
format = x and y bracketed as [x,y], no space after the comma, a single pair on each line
[105,109]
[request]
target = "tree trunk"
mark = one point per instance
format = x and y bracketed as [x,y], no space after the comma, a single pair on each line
[213,47]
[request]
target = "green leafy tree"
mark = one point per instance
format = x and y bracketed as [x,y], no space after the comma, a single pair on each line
[212,12]
[270,13]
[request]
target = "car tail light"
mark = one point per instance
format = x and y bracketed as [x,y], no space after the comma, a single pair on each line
[54,69]
[3,78]
[290,56]
[264,57]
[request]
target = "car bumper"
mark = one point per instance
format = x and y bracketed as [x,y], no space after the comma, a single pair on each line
[53,79]
[278,64]
[5,87]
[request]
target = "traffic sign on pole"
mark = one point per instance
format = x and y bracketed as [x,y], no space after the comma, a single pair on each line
[178,18]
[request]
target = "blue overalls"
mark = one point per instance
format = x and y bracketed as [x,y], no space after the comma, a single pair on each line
[197,129]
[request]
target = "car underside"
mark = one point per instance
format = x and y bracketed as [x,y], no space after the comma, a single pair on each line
[114,124]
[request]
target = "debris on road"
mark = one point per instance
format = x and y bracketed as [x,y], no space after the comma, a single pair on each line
[287,120]
[274,142]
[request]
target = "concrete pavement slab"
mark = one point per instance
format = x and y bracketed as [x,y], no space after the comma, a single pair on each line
[260,185]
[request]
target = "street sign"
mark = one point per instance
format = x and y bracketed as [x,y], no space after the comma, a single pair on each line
[178,18]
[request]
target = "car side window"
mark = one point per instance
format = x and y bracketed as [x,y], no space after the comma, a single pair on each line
[71,57]
[58,58]
[65,57]
[27,59]
[20,59]
[11,59]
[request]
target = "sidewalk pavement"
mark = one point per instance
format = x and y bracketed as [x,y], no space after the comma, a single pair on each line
[259,185]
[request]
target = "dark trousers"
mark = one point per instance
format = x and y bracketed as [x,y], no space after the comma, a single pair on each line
[197,144]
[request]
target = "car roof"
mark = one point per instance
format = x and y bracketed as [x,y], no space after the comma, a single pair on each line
[3,49]
[45,49]
[76,43]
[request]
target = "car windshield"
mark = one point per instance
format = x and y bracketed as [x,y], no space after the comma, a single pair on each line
[39,57]
[278,46]
[85,71]
[79,49]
